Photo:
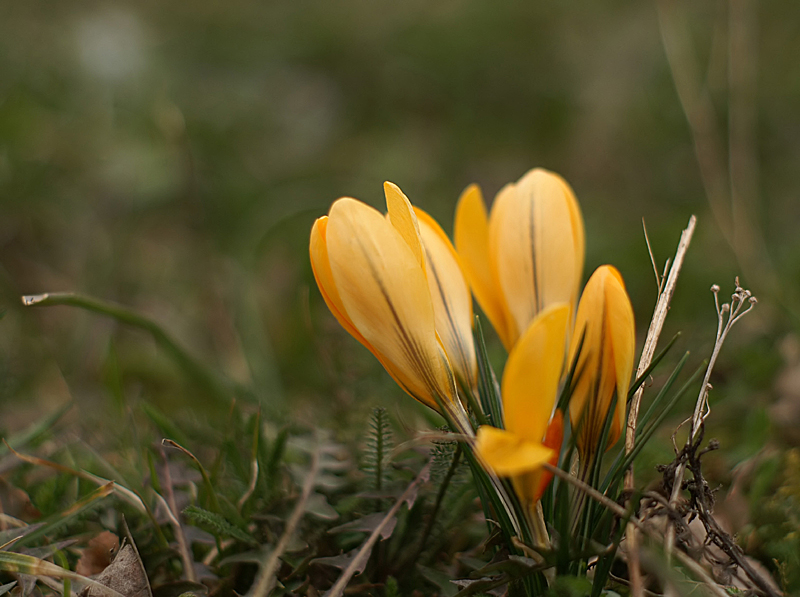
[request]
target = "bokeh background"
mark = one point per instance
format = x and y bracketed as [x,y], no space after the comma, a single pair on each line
[172,156]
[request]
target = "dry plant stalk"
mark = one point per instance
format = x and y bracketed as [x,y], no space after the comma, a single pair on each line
[265,581]
[727,315]
[666,291]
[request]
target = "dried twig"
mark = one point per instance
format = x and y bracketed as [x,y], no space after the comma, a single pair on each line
[700,506]
[623,514]
[337,590]
[727,315]
[267,576]
[702,501]
[666,290]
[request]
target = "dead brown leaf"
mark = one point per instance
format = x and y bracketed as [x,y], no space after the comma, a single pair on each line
[98,554]
[125,575]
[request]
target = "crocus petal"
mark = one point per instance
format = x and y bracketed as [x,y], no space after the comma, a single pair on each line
[532,373]
[321,266]
[605,322]
[471,235]
[621,326]
[507,454]
[401,215]
[384,292]
[452,303]
[536,242]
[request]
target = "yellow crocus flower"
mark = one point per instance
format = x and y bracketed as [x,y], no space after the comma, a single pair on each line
[606,324]
[528,254]
[373,273]
[529,391]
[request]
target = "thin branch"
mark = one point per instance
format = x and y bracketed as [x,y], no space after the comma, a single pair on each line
[337,590]
[267,577]
[650,343]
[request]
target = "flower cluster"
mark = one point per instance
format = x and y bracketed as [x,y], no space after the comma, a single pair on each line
[398,285]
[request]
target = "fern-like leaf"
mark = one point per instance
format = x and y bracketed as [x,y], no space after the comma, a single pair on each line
[216,524]
[377,453]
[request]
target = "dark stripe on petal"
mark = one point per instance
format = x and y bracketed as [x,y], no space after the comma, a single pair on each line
[462,356]
[532,231]
[410,346]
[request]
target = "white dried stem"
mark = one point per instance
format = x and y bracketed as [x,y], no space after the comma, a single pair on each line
[666,291]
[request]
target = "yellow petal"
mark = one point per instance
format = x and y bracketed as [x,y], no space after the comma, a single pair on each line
[621,324]
[532,374]
[605,320]
[507,454]
[452,303]
[471,236]
[385,294]
[536,242]
[402,217]
[320,265]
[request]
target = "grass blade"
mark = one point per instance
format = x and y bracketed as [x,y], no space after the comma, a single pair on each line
[487,390]
[212,493]
[219,388]
[56,521]
[36,430]
[653,364]
[123,492]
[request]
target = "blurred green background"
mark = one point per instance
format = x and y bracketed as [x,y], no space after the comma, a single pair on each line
[172,156]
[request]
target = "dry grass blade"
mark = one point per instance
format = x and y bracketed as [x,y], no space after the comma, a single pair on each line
[122,492]
[183,547]
[337,590]
[25,564]
[729,174]
[52,523]
[212,494]
[656,325]
[269,569]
